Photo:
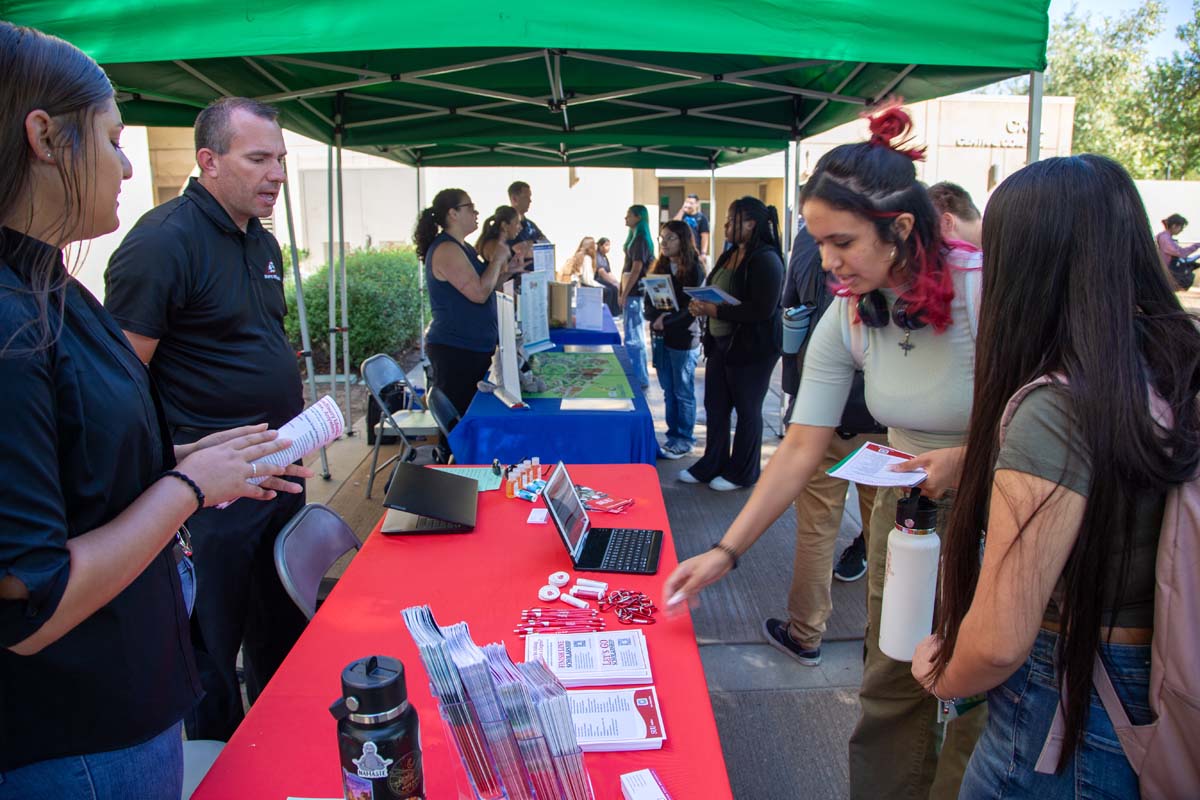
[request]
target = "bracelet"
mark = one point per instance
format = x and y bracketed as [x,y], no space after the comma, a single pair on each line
[727,550]
[174,473]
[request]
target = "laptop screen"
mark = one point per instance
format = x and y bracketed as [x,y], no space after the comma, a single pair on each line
[570,517]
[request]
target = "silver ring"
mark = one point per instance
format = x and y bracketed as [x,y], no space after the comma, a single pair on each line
[253,470]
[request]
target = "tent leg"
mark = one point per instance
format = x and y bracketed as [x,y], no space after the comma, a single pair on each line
[787,206]
[1033,141]
[420,279]
[712,207]
[345,326]
[305,342]
[332,281]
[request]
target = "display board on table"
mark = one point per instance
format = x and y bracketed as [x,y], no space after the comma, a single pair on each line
[505,365]
[534,312]
[582,376]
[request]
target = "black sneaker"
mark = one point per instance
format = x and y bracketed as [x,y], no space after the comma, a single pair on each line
[776,631]
[852,563]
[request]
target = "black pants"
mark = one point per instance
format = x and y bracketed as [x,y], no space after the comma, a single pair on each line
[457,371]
[239,600]
[727,388]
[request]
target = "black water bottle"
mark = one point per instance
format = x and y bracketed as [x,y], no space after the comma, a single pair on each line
[378,737]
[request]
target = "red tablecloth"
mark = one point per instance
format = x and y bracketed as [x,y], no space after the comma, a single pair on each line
[287,745]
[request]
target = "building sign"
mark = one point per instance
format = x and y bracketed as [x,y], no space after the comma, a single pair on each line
[1015,135]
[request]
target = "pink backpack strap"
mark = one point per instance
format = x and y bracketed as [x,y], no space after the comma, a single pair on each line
[1020,395]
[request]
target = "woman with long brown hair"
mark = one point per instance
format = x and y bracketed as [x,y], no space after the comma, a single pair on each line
[96,668]
[1067,497]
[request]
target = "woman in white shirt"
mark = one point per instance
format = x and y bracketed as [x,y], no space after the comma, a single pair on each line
[905,313]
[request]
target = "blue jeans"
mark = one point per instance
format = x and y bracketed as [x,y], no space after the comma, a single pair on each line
[635,339]
[1020,712]
[676,371]
[152,770]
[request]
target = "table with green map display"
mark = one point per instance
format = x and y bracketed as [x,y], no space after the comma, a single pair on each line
[580,375]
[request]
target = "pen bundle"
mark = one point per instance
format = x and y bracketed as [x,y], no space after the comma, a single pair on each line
[498,715]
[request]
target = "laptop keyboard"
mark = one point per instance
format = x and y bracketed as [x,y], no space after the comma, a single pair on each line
[432,524]
[628,549]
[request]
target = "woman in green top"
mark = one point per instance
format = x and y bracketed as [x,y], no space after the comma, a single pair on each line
[1072,499]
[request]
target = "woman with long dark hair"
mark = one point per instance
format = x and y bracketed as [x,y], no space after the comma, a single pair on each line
[675,336]
[96,667]
[463,332]
[499,227]
[904,312]
[639,251]
[742,343]
[1071,499]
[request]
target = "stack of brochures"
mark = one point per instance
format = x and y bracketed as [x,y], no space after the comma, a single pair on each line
[601,658]
[511,723]
[617,719]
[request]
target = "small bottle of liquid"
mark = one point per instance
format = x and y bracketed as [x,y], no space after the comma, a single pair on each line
[909,578]
[510,487]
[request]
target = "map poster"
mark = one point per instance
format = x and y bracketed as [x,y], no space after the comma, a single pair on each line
[581,375]
[535,317]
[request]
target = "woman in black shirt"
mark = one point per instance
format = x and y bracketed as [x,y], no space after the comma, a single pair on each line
[96,669]
[675,336]
[742,343]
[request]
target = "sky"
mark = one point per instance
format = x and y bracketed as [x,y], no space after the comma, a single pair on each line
[1178,12]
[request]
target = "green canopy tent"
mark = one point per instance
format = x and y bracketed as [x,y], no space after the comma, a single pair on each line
[626,83]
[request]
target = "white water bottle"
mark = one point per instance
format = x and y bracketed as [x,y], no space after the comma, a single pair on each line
[910,578]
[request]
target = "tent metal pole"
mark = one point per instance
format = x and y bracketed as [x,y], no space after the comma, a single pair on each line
[795,179]
[712,207]
[332,307]
[345,326]
[420,276]
[302,314]
[1033,141]
[787,207]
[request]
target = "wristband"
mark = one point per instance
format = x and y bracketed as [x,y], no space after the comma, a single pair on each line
[174,473]
[727,550]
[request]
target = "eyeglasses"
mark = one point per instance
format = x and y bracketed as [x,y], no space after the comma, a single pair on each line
[466,205]
[668,239]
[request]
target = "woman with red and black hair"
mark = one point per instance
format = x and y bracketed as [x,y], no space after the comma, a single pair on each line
[905,314]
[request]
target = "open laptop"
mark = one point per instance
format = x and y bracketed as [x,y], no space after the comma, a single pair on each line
[422,500]
[597,549]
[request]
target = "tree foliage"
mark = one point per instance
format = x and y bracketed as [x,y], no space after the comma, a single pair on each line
[1173,101]
[382,293]
[1144,114]
[1102,63]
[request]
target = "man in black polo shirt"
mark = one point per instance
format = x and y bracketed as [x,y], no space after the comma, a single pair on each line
[197,287]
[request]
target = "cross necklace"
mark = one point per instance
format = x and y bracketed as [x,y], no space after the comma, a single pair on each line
[906,345]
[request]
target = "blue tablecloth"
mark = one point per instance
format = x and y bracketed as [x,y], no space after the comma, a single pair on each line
[606,335]
[492,430]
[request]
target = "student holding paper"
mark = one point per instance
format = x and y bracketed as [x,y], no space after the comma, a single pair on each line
[675,336]
[905,312]
[742,343]
[96,667]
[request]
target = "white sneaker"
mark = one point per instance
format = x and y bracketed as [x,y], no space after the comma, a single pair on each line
[685,476]
[719,484]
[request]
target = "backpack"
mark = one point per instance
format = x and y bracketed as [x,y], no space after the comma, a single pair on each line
[1182,272]
[1165,753]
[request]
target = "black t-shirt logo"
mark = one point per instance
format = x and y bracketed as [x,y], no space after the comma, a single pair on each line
[271,273]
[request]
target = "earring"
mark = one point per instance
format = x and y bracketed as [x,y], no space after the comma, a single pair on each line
[892,257]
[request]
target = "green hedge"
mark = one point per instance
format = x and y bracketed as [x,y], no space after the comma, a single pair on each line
[382,295]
